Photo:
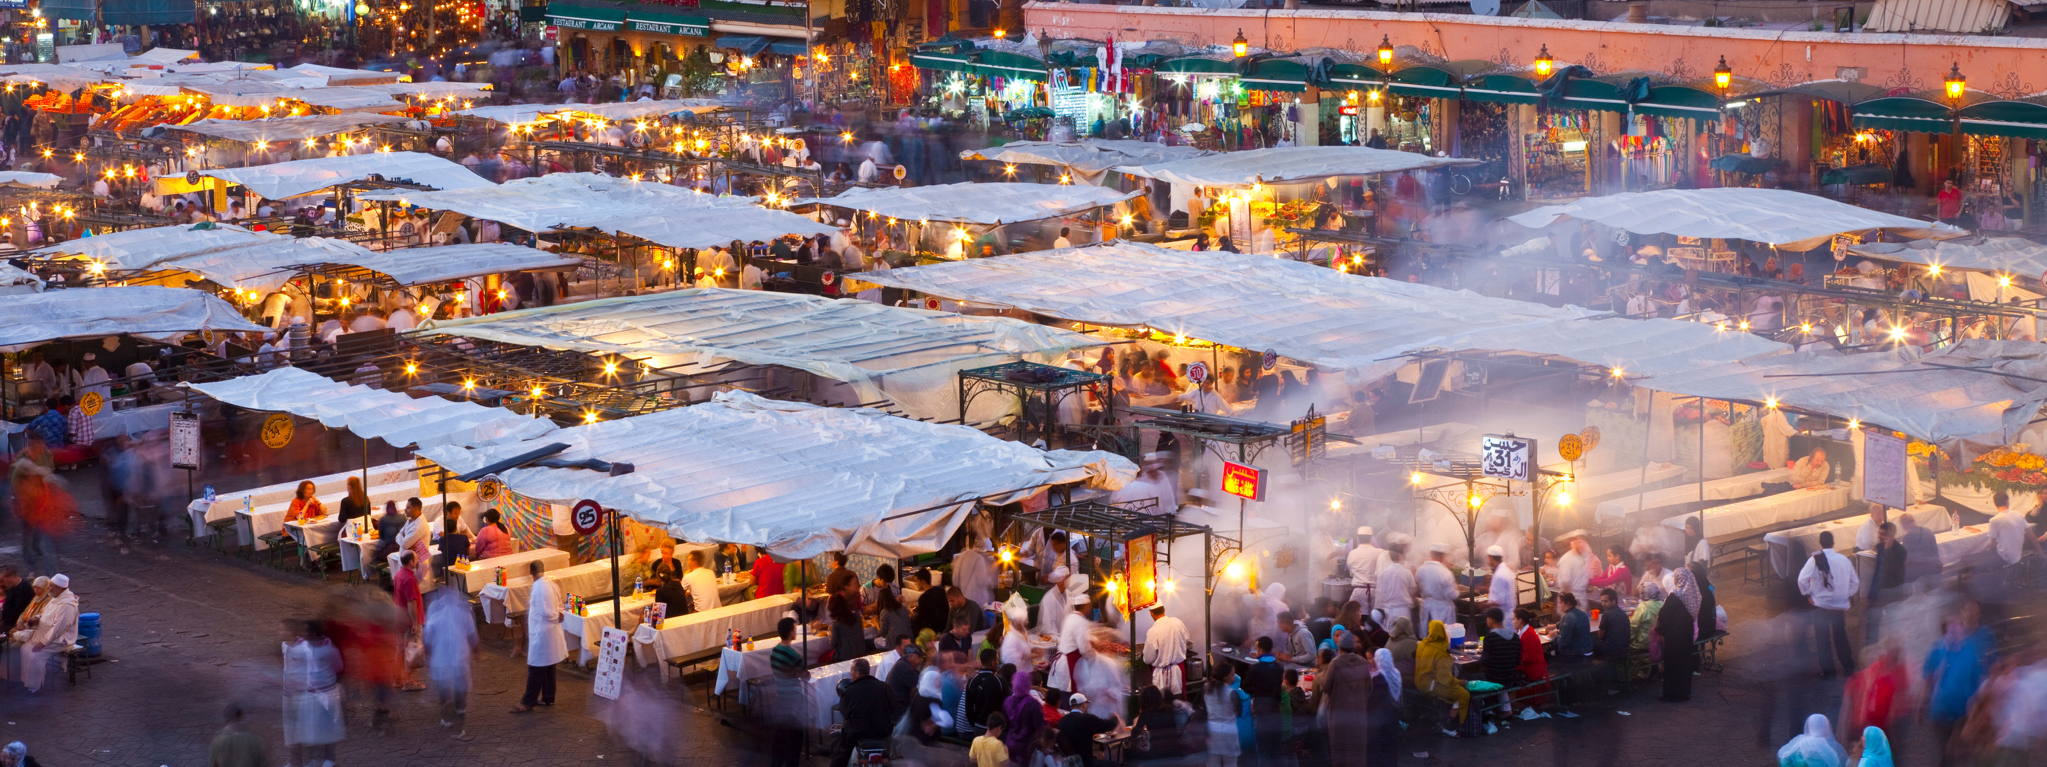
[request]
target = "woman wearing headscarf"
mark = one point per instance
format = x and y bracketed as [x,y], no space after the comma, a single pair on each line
[1707,616]
[1816,747]
[916,737]
[1685,587]
[1434,674]
[1390,670]
[1642,622]
[1026,717]
[1402,646]
[1674,625]
[1352,718]
[1876,748]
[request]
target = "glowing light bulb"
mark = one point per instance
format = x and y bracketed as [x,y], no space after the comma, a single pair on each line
[468,383]
[1770,402]
[1415,478]
[1234,570]
[411,368]
[589,416]
[1563,499]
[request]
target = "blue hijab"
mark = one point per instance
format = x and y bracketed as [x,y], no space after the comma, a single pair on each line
[1876,748]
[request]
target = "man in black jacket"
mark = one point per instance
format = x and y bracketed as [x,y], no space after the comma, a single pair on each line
[933,611]
[1614,636]
[1262,682]
[1501,655]
[1887,580]
[18,594]
[985,691]
[866,705]
[669,592]
[902,678]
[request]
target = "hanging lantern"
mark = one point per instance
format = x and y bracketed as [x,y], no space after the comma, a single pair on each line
[1385,50]
[1543,63]
[1956,83]
[1241,47]
[1723,76]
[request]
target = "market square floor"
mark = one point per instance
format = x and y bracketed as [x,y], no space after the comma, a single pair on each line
[187,630]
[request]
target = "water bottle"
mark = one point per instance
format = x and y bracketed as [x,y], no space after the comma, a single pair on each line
[209,494]
[728,571]
[639,583]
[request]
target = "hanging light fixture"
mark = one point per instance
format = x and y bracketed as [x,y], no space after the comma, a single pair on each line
[1240,46]
[1956,83]
[1723,76]
[1543,63]
[1385,50]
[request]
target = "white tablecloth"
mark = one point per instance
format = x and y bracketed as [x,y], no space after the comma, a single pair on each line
[588,580]
[1955,545]
[1768,510]
[1597,486]
[269,518]
[694,633]
[483,571]
[735,667]
[329,489]
[119,423]
[1928,516]
[587,628]
[824,685]
[316,532]
[1738,486]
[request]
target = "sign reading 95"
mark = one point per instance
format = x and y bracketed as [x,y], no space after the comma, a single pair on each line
[1506,457]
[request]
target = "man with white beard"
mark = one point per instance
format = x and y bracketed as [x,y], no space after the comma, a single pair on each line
[1574,571]
[1438,587]
[1395,591]
[1365,561]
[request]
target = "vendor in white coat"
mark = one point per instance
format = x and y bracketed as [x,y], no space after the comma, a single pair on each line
[1501,590]
[1074,633]
[545,645]
[1438,587]
[1364,562]
[1165,649]
[1395,593]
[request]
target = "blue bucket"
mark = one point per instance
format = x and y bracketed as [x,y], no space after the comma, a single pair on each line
[89,633]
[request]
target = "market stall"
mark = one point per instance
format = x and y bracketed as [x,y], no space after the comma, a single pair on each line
[967,220]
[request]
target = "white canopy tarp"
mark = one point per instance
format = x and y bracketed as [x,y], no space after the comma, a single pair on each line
[795,479]
[563,199]
[398,419]
[172,56]
[1920,393]
[340,76]
[707,227]
[521,114]
[291,179]
[142,248]
[2008,255]
[266,266]
[286,129]
[350,100]
[1787,219]
[1089,159]
[905,355]
[33,318]
[1320,316]
[972,203]
[1282,165]
[29,179]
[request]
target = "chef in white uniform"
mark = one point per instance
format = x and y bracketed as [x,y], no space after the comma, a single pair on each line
[1501,590]
[1365,561]
[545,644]
[1438,587]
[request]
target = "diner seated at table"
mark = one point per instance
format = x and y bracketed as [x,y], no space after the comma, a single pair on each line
[701,583]
[304,505]
[1642,622]
[669,592]
[356,503]
[1500,654]
[884,578]
[890,616]
[934,611]
[1619,573]
[1811,471]
[494,540]
[454,543]
[1435,675]
[667,564]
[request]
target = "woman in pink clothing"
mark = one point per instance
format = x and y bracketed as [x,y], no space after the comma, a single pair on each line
[493,540]
[1618,576]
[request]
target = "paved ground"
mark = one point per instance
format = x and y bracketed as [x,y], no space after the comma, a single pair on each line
[188,630]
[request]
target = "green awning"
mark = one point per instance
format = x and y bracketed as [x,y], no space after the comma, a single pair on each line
[1198,66]
[1866,174]
[1595,95]
[1504,89]
[1277,75]
[1741,163]
[533,13]
[2010,119]
[1424,81]
[1354,77]
[942,62]
[1905,113]
[585,17]
[1680,101]
[1015,66]
[662,23]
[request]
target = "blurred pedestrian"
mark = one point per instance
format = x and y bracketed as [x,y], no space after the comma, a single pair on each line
[235,745]
[449,637]
[16,755]
[1816,747]
[1829,582]
[312,695]
[1876,748]
[1676,627]
[1954,671]
[1872,696]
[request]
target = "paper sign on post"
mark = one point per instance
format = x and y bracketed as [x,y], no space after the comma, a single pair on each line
[610,663]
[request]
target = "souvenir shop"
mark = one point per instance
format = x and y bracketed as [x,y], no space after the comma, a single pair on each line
[1656,153]
[1557,152]
[1410,122]
[1235,117]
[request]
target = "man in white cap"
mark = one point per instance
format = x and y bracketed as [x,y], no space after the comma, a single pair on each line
[1394,593]
[56,629]
[1165,649]
[1438,587]
[1365,561]
[1501,590]
[92,377]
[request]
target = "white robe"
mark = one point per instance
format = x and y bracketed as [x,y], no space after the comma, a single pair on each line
[1502,593]
[1073,635]
[1395,592]
[545,644]
[1438,587]
[1105,680]
[974,572]
[2008,533]
[1165,648]
[1574,576]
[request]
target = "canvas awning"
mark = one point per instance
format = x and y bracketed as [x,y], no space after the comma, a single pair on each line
[714,226]
[1320,316]
[521,114]
[1355,77]
[286,129]
[1504,89]
[1787,219]
[1241,170]
[1088,159]
[1680,101]
[267,266]
[140,248]
[1280,75]
[942,61]
[660,22]
[972,203]
[590,17]
[1967,398]
[795,479]
[291,179]
[2001,255]
[29,179]
[667,215]
[397,418]
[29,319]
[905,355]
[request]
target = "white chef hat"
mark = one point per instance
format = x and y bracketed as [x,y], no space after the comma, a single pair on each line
[1438,548]
[1495,551]
[1364,530]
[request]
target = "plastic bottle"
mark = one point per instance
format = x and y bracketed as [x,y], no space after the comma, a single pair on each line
[639,586]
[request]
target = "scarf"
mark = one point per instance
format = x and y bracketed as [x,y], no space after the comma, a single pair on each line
[1876,748]
[1687,591]
[1433,648]
[1026,716]
[1816,747]
[1384,657]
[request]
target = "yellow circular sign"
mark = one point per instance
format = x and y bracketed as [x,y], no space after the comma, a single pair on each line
[277,430]
[91,403]
[1591,437]
[488,489]
[1571,446]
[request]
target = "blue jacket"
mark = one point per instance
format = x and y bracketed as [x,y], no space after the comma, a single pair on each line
[1956,671]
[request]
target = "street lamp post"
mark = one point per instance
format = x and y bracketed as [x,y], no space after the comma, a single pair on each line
[1543,63]
[1957,86]
[1240,46]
